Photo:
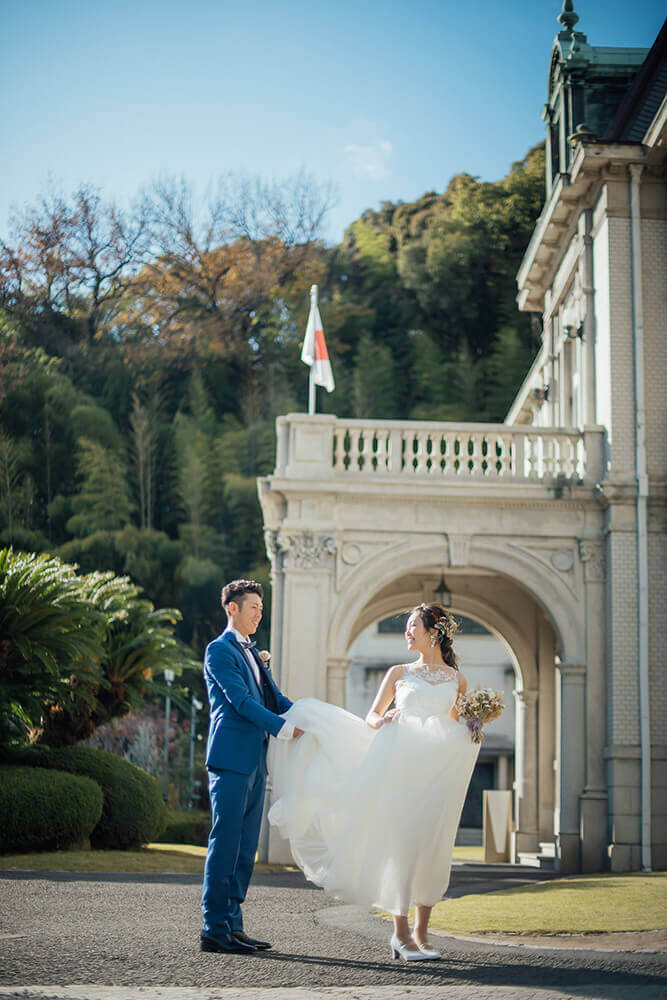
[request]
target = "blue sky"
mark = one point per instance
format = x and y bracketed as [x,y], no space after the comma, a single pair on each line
[384,99]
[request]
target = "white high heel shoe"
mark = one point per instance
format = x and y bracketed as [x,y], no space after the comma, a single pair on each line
[399,950]
[426,950]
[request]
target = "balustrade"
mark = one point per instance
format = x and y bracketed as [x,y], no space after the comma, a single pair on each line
[463,451]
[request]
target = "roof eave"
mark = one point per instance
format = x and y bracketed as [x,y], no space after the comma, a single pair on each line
[554,224]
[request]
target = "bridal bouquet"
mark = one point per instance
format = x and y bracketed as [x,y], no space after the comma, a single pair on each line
[479,707]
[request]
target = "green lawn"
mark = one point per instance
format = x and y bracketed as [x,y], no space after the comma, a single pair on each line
[472,853]
[179,858]
[583,904]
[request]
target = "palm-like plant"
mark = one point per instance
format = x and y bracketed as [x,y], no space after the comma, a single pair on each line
[50,637]
[138,643]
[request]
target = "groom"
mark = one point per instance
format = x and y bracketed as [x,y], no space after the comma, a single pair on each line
[245,707]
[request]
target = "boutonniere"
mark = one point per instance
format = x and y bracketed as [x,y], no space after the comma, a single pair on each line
[264,656]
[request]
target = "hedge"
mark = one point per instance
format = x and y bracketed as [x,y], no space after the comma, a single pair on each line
[44,810]
[186,828]
[133,811]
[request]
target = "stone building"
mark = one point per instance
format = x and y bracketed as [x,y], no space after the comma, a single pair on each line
[550,528]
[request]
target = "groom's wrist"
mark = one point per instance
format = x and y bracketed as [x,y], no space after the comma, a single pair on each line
[286,731]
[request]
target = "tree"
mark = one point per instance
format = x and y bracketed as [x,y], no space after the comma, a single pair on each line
[506,367]
[144,427]
[103,502]
[71,256]
[207,289]
[51,639]
[375,382]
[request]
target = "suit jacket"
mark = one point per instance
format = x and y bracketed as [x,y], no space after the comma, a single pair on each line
[239,720]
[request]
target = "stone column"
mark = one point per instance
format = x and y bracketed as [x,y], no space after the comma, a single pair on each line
[588,352]
[525,837]
[302,569]
[308,582]
[275,555]
[546,713]
[594,837]
[570,763]
[502,774]
[336,677]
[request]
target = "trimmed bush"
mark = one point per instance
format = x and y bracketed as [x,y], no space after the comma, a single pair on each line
[133,812]
[186,828]
[45,810]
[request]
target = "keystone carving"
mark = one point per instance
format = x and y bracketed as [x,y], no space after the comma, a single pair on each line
[459,546]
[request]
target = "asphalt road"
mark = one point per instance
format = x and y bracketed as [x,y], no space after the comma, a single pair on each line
[62,929]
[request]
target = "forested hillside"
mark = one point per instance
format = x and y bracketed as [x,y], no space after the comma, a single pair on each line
[144,356]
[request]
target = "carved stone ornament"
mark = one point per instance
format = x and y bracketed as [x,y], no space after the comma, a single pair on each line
[562,560]
[592,554]
[351,554]
[306,550]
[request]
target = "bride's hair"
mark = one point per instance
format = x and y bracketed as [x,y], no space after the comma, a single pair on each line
[438,619]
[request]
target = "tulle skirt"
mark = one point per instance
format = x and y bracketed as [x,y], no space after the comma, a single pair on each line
[371,815]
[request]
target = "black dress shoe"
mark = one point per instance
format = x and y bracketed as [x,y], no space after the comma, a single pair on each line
[227,944]
[244,939]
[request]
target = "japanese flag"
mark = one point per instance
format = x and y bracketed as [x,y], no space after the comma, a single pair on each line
[314,352]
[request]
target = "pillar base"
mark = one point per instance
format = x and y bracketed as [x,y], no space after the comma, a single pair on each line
[523,841]
[568,847]
[593,827]
[279,850]
[624,857]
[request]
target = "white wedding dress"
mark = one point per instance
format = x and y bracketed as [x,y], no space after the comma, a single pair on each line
[371,815]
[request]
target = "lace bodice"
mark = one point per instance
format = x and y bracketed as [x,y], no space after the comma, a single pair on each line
[426,691]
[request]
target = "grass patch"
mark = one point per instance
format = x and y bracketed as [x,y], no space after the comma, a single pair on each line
[585,904]
[182,859]
[471,852]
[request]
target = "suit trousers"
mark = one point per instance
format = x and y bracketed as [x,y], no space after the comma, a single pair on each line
[237,802]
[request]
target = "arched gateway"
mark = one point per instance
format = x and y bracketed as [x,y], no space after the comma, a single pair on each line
[362,518]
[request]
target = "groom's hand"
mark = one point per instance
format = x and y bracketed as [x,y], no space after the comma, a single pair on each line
[297,732]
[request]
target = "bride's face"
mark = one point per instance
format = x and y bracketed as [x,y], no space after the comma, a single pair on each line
[416,635]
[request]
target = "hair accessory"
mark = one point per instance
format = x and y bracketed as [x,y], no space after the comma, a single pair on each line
[445,628]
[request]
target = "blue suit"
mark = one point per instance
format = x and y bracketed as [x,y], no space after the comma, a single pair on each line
[242,715]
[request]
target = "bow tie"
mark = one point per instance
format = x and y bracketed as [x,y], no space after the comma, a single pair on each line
[248,645]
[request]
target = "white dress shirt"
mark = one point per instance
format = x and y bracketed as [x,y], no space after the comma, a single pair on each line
[287,731]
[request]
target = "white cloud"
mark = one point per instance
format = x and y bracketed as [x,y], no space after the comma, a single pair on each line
[370,161]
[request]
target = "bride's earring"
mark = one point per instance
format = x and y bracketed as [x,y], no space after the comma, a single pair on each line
[433,640]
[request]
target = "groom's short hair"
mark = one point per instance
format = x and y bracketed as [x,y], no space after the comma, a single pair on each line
[237,590]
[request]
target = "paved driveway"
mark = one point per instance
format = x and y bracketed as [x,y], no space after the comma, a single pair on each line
[141,931]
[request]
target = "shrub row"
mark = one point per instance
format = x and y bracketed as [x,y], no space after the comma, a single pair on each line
[186,828]
[133,812]
[46,810]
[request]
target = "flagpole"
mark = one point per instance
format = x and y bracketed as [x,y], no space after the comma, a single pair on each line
[312,388]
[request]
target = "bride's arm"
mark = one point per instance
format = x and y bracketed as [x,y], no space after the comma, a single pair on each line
[463,687]
[383,698]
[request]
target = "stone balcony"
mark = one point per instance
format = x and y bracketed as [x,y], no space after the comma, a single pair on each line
[383,452]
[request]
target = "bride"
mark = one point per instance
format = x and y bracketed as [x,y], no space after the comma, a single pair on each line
[371,808]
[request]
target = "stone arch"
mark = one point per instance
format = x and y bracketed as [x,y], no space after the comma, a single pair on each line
[514,641]
[551,594]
